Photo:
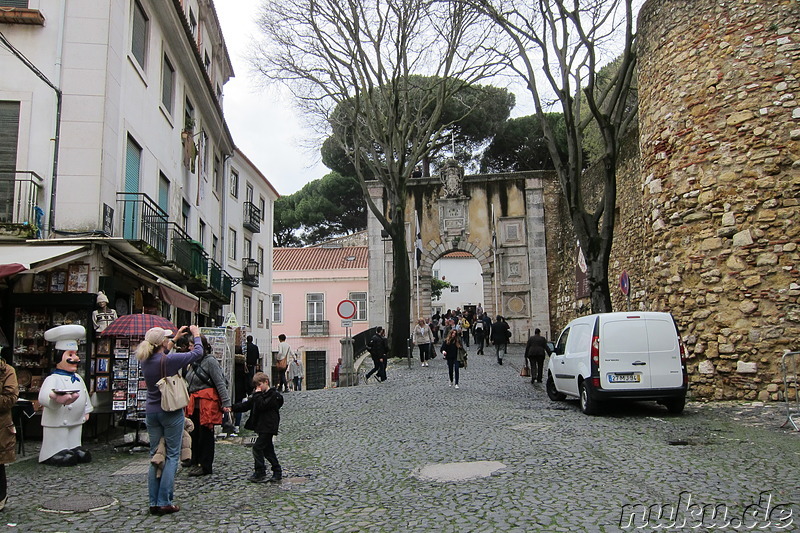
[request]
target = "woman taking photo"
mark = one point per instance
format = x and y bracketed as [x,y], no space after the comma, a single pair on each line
[156,364]
[450,348]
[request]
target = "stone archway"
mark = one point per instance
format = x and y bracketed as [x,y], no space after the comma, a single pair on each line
[499,219]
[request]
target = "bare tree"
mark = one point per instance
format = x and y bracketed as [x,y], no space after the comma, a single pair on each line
[378,73]
[560,48]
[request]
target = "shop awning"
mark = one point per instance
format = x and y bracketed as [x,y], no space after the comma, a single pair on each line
[177,296]
[16,258]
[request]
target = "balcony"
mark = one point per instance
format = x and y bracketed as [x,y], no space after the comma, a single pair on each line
[21,15]
[144,224]
[250,272]
[189,257]
[314,328]
[219,283]
[20,216]
[251,217]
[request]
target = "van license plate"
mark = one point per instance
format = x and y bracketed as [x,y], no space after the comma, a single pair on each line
[623,378]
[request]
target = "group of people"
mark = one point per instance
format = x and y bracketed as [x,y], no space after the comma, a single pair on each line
[161,355]
[467,324]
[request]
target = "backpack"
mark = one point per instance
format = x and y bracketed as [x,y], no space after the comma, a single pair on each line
[479,325]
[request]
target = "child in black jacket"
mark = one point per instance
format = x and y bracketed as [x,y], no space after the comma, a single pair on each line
[264,406]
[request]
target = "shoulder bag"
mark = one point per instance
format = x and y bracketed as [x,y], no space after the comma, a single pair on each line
[174,394]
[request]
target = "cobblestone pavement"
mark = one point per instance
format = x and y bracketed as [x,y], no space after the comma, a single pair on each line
[352,456]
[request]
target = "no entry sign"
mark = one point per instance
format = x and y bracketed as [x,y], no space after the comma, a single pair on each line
[346,309]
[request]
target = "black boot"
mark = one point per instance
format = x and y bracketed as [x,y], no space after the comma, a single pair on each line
[62,458]
[83,455]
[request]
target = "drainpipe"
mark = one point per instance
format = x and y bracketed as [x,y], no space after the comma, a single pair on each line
[39,74]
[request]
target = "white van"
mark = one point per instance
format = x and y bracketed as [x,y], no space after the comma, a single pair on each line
[636,355]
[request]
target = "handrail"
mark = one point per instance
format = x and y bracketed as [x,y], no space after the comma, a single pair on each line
[791,382]
[143,220]
[19,196]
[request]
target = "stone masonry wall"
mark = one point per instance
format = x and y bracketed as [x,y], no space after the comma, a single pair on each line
[719,127]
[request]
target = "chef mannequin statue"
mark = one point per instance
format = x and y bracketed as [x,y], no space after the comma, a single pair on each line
[102,316]
[65,401]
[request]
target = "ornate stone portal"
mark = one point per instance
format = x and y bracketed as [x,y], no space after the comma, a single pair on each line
[498,219]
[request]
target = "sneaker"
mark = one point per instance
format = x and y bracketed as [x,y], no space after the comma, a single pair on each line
[456,385]
[451,383]
[257,478]
[275,478]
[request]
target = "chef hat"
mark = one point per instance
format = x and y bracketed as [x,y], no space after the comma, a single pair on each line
[101,297]
[66,337]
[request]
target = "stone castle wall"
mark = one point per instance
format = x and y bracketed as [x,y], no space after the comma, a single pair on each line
[719,125]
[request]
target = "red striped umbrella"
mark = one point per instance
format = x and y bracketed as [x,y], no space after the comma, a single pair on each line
[136,325]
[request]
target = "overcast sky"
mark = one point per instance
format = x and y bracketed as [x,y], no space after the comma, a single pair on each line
[265,127]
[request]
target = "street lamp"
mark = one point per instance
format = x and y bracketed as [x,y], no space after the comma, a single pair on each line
[249,274]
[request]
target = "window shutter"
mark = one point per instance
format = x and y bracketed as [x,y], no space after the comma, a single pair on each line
[9,132]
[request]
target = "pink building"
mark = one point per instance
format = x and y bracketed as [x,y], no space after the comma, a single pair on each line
[308,285]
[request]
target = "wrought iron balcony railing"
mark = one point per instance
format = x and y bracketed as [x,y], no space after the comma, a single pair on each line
[251,217]
[219,281]
[19,199]
[314,328]
[143,222]
[188,255]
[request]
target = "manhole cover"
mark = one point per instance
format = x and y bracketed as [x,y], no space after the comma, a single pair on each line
[459,471]
[78,504]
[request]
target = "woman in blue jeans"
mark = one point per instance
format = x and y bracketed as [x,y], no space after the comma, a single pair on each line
[151,353]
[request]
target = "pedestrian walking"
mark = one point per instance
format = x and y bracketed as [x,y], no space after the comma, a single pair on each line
[422,337]
[478,333]
[155,364]
[500,334]
[465,326]
[282,362]
[209,399]
[265,417]
[378,351]
[9,394]
[295,373]
[253,361]
[535,350]
[450,347]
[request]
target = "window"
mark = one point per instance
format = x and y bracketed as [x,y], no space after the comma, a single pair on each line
[214,247]
[262,206]
[315,307]
[207,63]
[188,116]
[247,252]
[233,302]
[204,161]
[9,134]
[14,3]
[186,211]
[260,260]
[163,192]
[277,308]
[167,85]
[133,166]
[234,184]
[248,195]
[201,236]
[139,34]
[215,176]
[246,310]
[260,312]
[232,243]
[360,299]
[193,23]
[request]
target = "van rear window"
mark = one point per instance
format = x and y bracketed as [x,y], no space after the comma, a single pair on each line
[624,336]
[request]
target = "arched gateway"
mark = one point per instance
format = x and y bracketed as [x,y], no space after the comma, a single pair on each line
[498,218]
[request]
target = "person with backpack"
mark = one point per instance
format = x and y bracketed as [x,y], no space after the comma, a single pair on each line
[465,325]
[478,333]
[378,350]
[208,400]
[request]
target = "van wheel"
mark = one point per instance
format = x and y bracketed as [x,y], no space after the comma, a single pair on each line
[552,392]
[589,405]
[675,405]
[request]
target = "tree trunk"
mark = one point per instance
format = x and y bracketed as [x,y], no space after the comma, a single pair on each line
[400,295]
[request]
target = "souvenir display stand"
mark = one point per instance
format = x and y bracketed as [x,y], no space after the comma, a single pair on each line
[222,341]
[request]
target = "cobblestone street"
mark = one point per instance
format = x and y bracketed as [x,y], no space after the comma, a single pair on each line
[353,460]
